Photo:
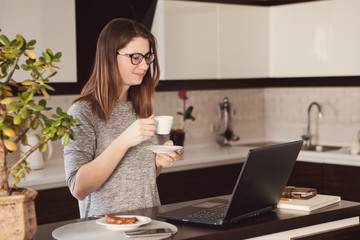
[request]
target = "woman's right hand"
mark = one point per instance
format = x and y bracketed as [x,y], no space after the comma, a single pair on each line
[139,131]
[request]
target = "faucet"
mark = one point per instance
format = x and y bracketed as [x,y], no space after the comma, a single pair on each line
[225,113]
[307,136]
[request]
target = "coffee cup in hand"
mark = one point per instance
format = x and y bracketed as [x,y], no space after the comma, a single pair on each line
[164,124]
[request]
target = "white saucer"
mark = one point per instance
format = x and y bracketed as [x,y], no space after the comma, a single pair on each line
[163,148]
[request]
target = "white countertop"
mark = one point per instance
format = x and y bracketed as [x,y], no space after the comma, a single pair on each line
[194,156]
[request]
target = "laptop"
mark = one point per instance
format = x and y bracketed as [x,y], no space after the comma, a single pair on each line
[258,189]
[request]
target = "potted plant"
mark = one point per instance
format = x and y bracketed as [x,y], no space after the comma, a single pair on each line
[178,135]
[19,114]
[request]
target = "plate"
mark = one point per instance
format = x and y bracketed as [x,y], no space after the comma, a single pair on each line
[141,221]
[163,148]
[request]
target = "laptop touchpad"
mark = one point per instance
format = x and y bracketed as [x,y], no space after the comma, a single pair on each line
[208,204]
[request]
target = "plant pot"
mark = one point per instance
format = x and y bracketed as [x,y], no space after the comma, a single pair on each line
[177,136]
[17,215]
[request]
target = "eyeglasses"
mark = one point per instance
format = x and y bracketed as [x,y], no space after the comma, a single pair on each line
[136,58]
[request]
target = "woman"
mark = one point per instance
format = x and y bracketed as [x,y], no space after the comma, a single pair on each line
[107,167]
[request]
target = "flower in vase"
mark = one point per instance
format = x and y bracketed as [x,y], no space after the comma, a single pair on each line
[187,112]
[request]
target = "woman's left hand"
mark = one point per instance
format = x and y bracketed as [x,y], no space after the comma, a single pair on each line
[168,159]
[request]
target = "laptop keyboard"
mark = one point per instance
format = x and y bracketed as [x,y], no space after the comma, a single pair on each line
[214,213]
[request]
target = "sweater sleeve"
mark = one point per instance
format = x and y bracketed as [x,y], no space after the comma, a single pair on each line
[82,150]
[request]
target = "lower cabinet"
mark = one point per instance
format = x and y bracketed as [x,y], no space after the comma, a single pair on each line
[339,180]
[343,181]
[307,174]
[198,183]
[58,204]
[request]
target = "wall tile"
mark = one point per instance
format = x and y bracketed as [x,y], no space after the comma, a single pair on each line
[271,113]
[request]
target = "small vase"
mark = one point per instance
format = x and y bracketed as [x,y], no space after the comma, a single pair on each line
[177,136]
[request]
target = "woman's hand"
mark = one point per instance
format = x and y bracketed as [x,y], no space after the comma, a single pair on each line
[168,159]
[139,131]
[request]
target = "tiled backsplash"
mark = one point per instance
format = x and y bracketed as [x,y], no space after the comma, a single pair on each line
[286,112]
[271,113]
[247,112]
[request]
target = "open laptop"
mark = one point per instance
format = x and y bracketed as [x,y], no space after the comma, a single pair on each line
[258,189]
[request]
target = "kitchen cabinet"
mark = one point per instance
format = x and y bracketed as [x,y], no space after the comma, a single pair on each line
[198,40]
[187,39]
[324,43]
[243,47]
[307,174]
[53,27]
[55,204]
[58,204]
[343,181]
[198,183]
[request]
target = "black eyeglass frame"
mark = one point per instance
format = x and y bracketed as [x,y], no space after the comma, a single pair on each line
[147,56]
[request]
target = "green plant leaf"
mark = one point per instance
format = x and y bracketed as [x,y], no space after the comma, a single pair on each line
[4,40]
[49,87]
[59,111]
[24,95]
[57,123]
[3,126]
[10,55]
[20,41]
[43,147]
[16,105]
[66,139]
[17,119]
[58,55]
[4,69]
[35,123]
[46,56]
[49,52]
[72,135]
[42,102]
[31,43]
[36,108]
[42,59]
[36,71]
[24,113]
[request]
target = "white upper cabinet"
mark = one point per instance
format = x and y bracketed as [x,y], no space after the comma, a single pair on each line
[200,40]
[211,41]
[51,23]
[315,39]
[243,41]
[187,39]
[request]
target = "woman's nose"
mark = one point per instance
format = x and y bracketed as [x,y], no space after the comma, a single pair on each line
[143,65]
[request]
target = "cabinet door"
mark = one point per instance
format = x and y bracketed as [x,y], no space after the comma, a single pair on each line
[50,29]
[187,39]
[343,181]
[198,183]
[53,205]
[307,174]
[243,41]
[323,43]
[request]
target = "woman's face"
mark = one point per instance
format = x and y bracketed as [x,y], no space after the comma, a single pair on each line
[131,74]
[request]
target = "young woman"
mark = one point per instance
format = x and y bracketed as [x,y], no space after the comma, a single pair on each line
[107,167]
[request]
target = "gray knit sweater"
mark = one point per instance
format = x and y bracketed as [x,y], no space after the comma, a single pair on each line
[132,185]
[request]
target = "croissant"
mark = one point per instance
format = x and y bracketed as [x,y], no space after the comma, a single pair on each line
[120,220]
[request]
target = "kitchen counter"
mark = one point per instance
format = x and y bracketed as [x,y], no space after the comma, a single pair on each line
[194,156]
[277,224]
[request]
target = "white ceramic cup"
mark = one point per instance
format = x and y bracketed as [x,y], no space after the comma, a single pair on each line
[164,124]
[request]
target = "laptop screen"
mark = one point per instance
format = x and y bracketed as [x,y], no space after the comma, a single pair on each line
[262,179]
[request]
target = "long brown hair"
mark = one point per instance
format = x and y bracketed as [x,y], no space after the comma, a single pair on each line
[103,87]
